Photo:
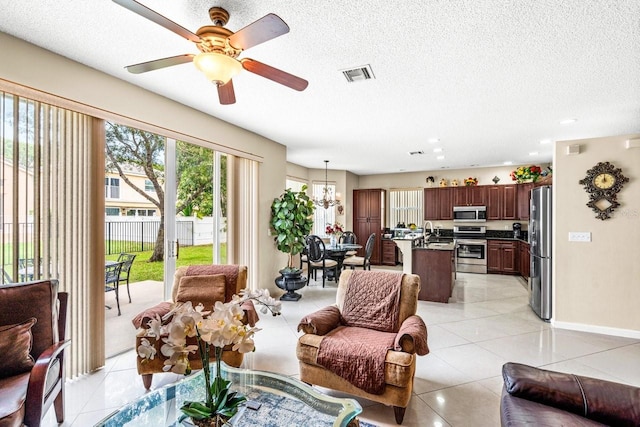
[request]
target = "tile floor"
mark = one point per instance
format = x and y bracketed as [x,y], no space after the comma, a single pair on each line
[457,384]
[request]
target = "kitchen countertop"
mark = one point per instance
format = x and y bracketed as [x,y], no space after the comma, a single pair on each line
[513,239]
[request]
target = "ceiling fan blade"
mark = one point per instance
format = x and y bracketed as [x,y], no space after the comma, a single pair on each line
[154,16]
[274,74]
[226,93]
[266,28]
[143,67]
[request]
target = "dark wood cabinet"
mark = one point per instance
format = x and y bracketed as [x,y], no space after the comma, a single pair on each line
[509,202]
[524,259]
[431,208]
[437,273]
[389,252]
[524,196]
[445,201]
[438,203]
[368,210]
[474,195]
[502,202]
[494,202]
[501,256]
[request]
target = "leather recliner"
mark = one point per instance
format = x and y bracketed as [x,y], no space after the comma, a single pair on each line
[30,388]
[533,396]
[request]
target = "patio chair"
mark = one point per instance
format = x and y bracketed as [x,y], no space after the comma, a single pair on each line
[112,280]
[127,262]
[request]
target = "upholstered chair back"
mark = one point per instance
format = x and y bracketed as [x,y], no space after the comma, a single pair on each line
[408,293]
[21,301]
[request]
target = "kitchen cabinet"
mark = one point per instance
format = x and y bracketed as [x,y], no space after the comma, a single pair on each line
[445,201]
[501,256]
[438,203]
[389,252]
[368,218]
[437,273]
[431,210]
[524,195]
[501,202]
[474,195]
[524,259]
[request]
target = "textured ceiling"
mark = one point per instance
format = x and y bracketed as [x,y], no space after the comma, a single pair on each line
[489,79]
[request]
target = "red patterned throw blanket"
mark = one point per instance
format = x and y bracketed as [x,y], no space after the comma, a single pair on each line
[230,271]
[357,353]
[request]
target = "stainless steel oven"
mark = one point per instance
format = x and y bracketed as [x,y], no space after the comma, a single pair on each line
[471,249]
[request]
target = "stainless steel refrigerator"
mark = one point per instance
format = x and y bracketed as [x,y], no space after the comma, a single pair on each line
[540,247]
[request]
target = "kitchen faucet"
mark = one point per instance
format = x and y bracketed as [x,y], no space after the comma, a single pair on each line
[430,228]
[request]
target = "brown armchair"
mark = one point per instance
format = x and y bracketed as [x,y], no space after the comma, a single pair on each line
[204,284]
[374,329]
[32,331]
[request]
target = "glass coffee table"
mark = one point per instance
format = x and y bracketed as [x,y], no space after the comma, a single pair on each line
[282,401]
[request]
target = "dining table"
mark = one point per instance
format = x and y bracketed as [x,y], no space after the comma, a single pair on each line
[338,252]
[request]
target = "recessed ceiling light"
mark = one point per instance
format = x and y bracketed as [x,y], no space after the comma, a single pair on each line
[440,157]
[545,141]
[508,163]
[433,140]
[568,121]
[533,153]
[437,150]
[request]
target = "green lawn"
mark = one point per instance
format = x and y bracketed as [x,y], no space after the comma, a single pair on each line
[142,269]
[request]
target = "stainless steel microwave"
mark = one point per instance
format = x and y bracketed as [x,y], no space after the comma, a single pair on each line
[469,214]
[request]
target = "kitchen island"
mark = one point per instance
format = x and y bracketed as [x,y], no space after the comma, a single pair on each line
[434,262]
[406,245]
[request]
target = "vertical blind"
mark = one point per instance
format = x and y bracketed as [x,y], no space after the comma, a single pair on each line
[405,205]
[51,226]
[243,220]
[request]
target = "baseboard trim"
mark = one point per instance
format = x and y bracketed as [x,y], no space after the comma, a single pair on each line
[606,330]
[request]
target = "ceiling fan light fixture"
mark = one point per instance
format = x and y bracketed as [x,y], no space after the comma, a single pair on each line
[217,67]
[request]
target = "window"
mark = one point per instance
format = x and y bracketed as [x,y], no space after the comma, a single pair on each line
[405,205]
[322,216]
[294,184]
[112,211]
[148,186]
[112,188]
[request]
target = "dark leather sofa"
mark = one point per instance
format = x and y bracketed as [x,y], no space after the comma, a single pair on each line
[533,396]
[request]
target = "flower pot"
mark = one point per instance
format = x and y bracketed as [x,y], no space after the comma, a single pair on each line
[291,281]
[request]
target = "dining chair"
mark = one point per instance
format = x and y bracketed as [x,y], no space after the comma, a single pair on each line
[112,280]
[127,262]
[365,261]
[350,238]
[318,258]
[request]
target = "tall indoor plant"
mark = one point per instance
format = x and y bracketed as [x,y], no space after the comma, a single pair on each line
[291,223]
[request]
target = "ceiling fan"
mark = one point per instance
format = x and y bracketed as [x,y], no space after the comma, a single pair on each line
[219,48]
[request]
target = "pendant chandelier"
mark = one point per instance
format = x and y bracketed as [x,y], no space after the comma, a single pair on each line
[327,199]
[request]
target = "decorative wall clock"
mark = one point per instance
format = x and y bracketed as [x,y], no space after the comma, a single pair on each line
[602,183]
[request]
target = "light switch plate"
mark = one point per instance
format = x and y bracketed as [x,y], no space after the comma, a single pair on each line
[579,236]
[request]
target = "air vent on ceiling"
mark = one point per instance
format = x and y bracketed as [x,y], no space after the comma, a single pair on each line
[358,74]
[413,153]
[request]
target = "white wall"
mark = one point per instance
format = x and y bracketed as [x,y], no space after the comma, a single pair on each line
[597,284]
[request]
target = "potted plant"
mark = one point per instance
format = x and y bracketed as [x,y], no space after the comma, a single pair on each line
[291,223]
